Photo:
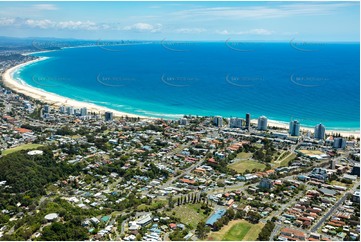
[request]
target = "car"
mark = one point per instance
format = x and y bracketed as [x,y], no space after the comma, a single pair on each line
[287,222]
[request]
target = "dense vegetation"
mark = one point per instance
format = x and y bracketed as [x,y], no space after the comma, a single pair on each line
[69,228]
[266,152]
[266,231]
[67,231]
[29,174]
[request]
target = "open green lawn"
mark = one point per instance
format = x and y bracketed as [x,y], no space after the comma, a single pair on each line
[284,158]
[287,159]
[188,214]
[243,165]
[156,204]
[237,230]
[244,155]
[21,147]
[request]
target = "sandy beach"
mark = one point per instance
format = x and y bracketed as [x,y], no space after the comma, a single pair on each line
[57,101]
[53,99]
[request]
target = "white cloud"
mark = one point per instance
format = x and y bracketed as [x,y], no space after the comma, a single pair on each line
[259,32]
[77,25]
[43,23]
[7,21]
[223,32]
[261,12]
[248,32]
[48,24]
[143,27]
[45,7]
[190,30]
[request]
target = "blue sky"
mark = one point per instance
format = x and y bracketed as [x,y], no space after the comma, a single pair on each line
[271,21]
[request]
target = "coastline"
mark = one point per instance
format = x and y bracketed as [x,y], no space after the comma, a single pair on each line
[51,98]
[56,100]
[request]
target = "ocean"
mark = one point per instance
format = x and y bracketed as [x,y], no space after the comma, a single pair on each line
[313,83]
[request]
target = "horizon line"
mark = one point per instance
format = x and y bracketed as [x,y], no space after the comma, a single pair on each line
[187,40]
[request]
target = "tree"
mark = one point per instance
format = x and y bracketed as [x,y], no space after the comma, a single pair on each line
[170,202]
[266,231]
[202,230]
[230,214]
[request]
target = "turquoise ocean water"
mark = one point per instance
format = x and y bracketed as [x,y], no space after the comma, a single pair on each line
[313,84]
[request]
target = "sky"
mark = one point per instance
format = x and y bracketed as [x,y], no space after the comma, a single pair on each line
[264,21]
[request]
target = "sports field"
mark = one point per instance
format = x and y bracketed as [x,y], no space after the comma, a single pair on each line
[242,165]
[237,230]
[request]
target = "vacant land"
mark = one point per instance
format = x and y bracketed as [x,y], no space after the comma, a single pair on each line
[242,165]
[21,147]
[237,230]
[337,183]
[311,152]
[188,214]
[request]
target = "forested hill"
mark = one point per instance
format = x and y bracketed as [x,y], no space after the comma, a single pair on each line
[29,174]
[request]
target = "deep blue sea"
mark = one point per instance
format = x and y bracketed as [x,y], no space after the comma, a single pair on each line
[311,83]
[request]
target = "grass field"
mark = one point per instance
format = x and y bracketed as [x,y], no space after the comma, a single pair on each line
[237,230]
[284,158]
[243,165]
[21,147]
[188,214]
[155,205]
[244,155]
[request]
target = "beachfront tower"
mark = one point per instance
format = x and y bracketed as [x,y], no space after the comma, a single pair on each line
[83,112]
[108,116]
[248,120]
[319,131]
[62,109]
[218,121]
[236,122]
[339,143]
[183,121]
[262,123]
[70,110]
[46,109]
[294,128]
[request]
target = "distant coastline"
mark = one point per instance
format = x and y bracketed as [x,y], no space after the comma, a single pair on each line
[57,100]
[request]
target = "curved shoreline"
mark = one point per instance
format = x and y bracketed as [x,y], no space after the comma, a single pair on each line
[52,98]
[57,100]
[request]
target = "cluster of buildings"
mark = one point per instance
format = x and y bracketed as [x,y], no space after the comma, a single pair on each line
[81,113]
[262,125]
